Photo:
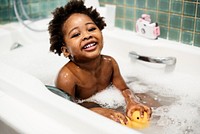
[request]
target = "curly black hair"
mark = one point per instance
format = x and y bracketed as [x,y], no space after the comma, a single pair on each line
[61,14]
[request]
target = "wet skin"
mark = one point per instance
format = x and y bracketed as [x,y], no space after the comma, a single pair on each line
[88,72]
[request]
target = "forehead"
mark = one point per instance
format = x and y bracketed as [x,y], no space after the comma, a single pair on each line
[77,19]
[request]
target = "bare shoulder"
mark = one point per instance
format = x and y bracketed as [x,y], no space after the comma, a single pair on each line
[66,70]
[108,58]
[66,79]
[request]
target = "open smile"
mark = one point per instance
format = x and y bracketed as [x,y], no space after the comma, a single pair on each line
[90,46]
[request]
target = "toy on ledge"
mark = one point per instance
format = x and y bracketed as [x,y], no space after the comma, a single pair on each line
[136,121]
[146,28]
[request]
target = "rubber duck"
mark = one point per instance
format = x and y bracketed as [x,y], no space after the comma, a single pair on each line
[136,121]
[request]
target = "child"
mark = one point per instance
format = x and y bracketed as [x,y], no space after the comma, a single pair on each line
[75,31]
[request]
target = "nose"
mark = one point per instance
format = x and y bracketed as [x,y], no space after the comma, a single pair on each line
[87,36]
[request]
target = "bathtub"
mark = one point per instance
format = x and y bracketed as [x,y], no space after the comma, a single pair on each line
[27,106]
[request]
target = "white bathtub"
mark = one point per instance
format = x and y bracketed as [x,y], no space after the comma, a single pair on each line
[26,106]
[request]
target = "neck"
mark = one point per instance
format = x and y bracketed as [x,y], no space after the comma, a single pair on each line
[90,65]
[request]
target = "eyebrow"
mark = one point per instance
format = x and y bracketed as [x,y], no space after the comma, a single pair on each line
[72,30]
[85,24]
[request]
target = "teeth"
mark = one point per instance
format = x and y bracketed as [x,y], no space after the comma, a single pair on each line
[89,45]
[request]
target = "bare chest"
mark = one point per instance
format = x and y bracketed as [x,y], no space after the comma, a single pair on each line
[89,83]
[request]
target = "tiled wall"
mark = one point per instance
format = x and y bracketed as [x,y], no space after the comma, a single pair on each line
[36,9]
[179,20]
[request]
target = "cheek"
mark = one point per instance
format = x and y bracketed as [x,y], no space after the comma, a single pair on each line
[70,44]
[102,40]
[73,48]
[101,36]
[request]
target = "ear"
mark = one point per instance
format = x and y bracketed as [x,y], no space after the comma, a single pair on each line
[65,51]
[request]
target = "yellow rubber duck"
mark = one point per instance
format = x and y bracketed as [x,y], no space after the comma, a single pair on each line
[136,121]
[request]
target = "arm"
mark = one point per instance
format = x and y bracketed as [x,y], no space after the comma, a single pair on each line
[66,81]
[111,114]
[132,103]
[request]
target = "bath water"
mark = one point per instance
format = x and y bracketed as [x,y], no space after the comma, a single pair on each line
[173,112]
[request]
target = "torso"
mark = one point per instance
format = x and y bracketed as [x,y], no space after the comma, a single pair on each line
[90,82]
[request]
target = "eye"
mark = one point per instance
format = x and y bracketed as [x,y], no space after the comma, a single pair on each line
[92,29]
[75,35]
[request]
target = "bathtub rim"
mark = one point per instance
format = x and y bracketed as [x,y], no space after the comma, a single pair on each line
[56,101]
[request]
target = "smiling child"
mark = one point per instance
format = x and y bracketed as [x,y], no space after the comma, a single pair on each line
[75,32]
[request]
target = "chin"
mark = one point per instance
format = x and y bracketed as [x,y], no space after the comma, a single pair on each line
[94,56]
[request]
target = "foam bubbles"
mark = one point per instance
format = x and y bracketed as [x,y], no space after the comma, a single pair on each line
[109,98]
[180,109]
[180,117]
[178,112]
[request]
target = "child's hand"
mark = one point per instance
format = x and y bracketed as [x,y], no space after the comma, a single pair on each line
[132,105]
[136,106]
[112,114]
[118,117]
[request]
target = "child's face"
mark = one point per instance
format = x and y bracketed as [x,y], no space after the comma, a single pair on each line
[82,37]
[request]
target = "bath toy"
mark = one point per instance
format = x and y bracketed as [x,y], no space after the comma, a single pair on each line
[136,121]
[146,28]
